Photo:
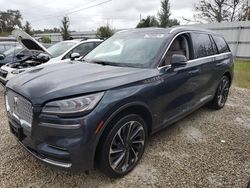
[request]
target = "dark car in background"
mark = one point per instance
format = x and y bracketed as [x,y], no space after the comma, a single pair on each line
[100,113]
[6,43]
[14,54]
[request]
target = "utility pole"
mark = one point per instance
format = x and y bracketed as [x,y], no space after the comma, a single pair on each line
[1,26]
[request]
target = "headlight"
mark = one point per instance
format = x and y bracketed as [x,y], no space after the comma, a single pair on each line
[74,105]
[18,71]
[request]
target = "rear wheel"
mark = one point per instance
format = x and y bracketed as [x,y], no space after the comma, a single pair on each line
[123,146]
[221,95]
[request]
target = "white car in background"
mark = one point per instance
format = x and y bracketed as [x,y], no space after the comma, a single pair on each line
[58,53]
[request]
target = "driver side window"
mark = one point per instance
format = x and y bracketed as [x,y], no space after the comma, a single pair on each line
[180,46]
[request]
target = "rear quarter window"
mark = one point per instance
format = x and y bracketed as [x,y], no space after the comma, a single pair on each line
[221,44]
[202,44]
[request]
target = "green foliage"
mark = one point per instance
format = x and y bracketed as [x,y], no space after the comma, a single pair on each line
[45,39]
[5,34]
[104,32]
[164,15]
[242,74]
[65,28]
[150,21]
[164,19]
[27,28]
[54,30]
[9,20]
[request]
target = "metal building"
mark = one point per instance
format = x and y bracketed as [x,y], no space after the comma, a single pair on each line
[237,35]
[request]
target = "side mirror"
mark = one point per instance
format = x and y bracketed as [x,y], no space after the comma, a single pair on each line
[74,56]
[2,56]
[43,57]
[178,60]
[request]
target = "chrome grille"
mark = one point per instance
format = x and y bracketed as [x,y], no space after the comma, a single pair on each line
[19,107]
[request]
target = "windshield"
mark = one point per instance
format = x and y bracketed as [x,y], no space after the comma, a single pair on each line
[129,49]
[59,48]
[13,51]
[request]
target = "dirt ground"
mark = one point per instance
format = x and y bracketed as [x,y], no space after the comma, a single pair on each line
[206,149]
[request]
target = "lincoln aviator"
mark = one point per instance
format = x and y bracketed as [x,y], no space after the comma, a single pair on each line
[100,112]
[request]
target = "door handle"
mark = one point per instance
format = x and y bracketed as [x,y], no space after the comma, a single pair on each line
[219,64]
[194,72]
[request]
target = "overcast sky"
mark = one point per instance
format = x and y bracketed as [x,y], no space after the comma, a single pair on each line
[88,15]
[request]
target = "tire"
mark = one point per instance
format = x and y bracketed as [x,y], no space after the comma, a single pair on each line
[120,153]
[221,94]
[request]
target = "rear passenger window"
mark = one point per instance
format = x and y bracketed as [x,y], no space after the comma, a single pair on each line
[202,45]
[221,44]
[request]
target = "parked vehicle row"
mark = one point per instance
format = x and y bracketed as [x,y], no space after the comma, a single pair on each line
[36,54]
[100,111]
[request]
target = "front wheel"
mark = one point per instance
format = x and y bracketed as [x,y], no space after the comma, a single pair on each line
[123,146]
[221,95]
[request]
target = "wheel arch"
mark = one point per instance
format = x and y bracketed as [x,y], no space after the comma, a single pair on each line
[228,74]
[138,108]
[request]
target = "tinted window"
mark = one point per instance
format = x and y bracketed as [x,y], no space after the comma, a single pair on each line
[82,49]
[221,44]
[203,46]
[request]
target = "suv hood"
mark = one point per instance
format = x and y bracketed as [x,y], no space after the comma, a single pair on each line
[65,80]
[28,42]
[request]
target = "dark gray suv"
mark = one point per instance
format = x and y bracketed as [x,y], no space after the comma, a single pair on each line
[100,112]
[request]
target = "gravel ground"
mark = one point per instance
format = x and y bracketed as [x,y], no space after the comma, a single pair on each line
[206,149]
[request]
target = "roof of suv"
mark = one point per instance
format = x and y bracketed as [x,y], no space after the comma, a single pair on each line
[176,29]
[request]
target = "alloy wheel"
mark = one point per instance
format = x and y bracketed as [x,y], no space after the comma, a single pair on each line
[127,146]
[223,92]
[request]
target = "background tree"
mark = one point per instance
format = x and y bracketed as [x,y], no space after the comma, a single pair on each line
[222,10]
[104,32]
[9,20]
[246,11]
[150,21]
[45,39]
[65,28]
[27,28]
[164,15]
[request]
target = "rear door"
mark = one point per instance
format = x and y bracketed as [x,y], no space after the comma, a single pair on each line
[223,59]
[204,56]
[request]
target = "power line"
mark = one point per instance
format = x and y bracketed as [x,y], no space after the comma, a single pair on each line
[89,2]
[68,10]
[72,12]
[104,2]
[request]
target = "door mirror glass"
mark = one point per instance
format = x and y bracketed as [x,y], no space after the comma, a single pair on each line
[74,56]
[178,60]
[2,56]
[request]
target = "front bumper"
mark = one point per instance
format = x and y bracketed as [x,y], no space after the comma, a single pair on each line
[45,159]
[3,81]
[69,148]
